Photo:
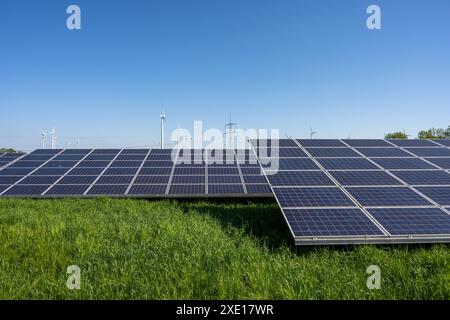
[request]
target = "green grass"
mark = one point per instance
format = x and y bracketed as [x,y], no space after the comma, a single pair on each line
[137,249]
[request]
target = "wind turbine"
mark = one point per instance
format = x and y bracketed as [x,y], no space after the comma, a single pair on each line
[43,134]
[163,121]
[53,133]
[311,133]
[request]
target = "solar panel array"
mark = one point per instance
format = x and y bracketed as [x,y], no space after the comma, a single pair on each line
[149,173]
[360,190]
[8,157]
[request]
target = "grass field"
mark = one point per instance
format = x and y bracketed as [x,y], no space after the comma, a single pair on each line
[137,249]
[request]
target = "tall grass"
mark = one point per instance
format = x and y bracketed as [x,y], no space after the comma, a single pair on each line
[137,249]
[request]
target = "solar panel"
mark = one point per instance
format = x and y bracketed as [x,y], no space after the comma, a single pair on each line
[37,157]
[281,152]
[100,157]
[125,164]
[424,177]
[39,180]
[330,222]
[367,143]
[135,151]
[383,152]
[443,142]
[120,171]
[60,164]
[289,163]
[15,171]
[195,179]
[441,195]
[413,221]
[255,179]
[72,189]
[114,180]
[145,190]
[430,152]
[77,180]
[364,178]
[26,190]
[258,188]
[93,164]
[299,178]
[161,179]
[155,171]
[387,196]
[312,197]
[106,151]
[225,189]
[84,171]
[73,157]
[403,163]
[187,189]
[50,171]
[412,143]
[109,189]
[273,142]
[346,163]
[9,179]
[233,179]
[321,143]
[443,163]
[332,152]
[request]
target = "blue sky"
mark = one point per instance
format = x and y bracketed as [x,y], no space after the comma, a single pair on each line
[273,64]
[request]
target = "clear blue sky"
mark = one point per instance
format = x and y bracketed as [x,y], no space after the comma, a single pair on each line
[273,64]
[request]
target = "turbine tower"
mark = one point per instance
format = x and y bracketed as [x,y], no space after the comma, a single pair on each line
[163,121]
[311,133]
[229,130]
[43,134]
[53,133]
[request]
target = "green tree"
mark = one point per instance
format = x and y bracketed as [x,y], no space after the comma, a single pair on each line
[396,135]
[7,150]
[434,133]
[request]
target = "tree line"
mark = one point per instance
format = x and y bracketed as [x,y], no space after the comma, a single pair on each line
[433,133]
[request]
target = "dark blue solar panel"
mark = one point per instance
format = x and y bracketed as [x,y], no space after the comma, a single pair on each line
[161,179]
[233,179]
[413,143]
[385,196]
[37,157]
[321,143]
[258,188]
[3,188]
[403,163]
[444,163]
[424,177]
[364,178]
[109,189]
[225,189]
[167,157]
[155,171]
[46,151]
[255,179]
[157,164]
[445,142]
[222,171]
[85,171]
[281,152]
[93,164]
[15,171]
[273,142]
[330,222]
[120,171]
[26,190]
[72,189]
[12,155]
[410,221]
[312,197]
[125,164]
[299,178]
[163,151]
[187,189]
[195,179]
[73,157]
[430,152]
[60,164]
[367,143]
[441,195]
[76,151]
[50,171]
[189,171]
[135,157]
[77,180]
[114,180]
[39,180]
[383,152]
[250,171]
[9,179]
[106,151]
[142,190]
[102,157]
[135,151]
[26,164]
[288,164]
[332,152]
[346,163]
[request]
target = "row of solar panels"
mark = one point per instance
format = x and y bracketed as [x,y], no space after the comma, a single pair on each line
[355,191]
[134,172]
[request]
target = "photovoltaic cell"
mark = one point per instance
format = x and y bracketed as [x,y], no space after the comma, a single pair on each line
[189,171]
[60,164]
[299,178]
[120,171]
[194,179]
[412,143]
[161,179]
[9,179]
[106,151]
[403,163]
[383,152]
[332,152]
[367,178]
[114,180]
[258,188]
[69,157]
[413,221]
[321,143]
[135,151]
[46,151]
[93,164]
[255,179]
[424,177]
[312,197]
[100,157]
[443,142]
[222,171]
[37,157]
[39,180]
[155,171]
[443,163]
[387,196]
[225,189]
[270,142]
[85,171]
[26,190]
[50,171]
[330,222]
[154,189]
[232,179]
[15,171]
[125,164]
[367,143]
[76,151]
[26,164]
[441,195]
[430,152]
[187,189]
[72,189]
[77,180]
[346,163]
[281,152]
[288,164]
[131,157]
[109,189]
